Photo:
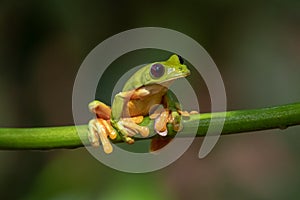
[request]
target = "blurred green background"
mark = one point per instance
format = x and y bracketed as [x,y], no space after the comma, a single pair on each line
[255,44]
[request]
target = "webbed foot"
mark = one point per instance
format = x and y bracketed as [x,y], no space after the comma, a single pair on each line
[129,127]
[100,128]
[163,116]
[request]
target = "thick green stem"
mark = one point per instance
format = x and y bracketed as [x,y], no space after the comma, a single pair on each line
[235,122]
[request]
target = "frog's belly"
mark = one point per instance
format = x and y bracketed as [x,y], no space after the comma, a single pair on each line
[141,107]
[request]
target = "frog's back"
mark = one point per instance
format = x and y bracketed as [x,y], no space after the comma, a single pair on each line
[137,80]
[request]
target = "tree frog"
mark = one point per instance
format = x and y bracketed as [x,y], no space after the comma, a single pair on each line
[144,91]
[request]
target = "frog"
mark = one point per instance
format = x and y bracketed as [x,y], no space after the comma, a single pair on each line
[145,93]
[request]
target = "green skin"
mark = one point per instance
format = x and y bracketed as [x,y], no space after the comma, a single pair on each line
[174,69]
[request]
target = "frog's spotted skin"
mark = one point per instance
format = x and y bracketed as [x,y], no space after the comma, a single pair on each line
[146,88]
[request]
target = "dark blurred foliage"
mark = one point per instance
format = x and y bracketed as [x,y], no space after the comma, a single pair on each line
[255,44]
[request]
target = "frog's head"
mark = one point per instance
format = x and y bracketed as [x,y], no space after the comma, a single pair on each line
[158,73]
[167,71]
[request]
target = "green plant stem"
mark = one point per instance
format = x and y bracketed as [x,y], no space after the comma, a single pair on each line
[235,122]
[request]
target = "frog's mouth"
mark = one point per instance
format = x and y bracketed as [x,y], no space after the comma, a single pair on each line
[169,82]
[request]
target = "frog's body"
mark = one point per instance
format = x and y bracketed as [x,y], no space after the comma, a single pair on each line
[144,90]
[140,105]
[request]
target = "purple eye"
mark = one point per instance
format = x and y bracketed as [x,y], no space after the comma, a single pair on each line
[157,70]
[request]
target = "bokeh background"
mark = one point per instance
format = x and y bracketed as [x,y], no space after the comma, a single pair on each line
[255,44]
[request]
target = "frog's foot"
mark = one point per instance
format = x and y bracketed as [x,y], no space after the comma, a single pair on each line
[186,113]
[164,116]
[99,130]
[103,113]
[129,127]
[160,124]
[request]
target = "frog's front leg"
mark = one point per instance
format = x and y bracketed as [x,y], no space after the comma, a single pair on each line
[100,127]
[128,125]
[164,116]
[97,130]
[171,113]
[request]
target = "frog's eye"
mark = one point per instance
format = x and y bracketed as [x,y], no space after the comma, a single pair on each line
[157,70]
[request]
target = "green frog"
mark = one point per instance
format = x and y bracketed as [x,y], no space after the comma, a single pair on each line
[145,93]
